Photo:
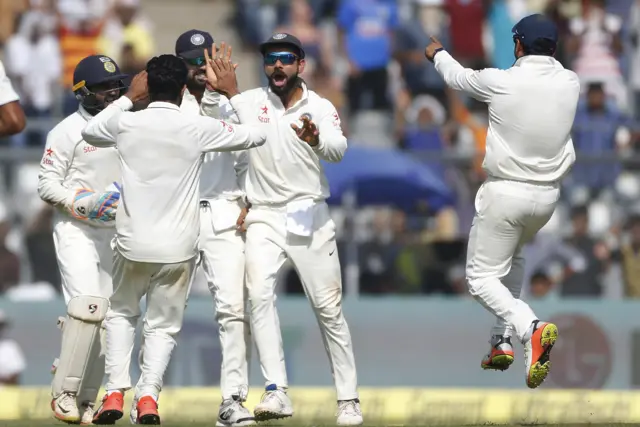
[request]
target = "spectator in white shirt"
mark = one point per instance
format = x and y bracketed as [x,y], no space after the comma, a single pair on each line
[157,229]
[33,59]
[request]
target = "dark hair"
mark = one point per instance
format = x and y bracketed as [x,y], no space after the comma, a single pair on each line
[166,76]
[539,275]
[540,47]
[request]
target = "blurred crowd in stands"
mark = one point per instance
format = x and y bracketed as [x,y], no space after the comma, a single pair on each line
[367,57]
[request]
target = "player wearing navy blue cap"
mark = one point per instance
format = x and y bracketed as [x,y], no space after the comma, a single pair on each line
[97,82]
[529,150]
[81,182]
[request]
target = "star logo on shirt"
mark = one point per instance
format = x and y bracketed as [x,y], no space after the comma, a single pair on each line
[49,152]
[265,109]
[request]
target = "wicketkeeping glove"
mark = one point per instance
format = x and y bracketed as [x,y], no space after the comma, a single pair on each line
[89,205]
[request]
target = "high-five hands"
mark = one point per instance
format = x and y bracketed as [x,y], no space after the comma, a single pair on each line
[221,72]
[308,132]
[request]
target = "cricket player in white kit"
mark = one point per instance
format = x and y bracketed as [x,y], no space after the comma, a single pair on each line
[289,219]
[12,120]
[81,181]
[221,244]
[158,224]
[528,151]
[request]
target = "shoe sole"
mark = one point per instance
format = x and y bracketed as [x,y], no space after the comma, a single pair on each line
[269,415]
[241,423]
[149,419]
[108,417]
[539,370]
[499,363]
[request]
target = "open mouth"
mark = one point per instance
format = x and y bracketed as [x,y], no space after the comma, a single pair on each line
[279,80]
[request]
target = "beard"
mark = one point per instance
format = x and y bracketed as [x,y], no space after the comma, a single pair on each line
[281,84]
[197,81]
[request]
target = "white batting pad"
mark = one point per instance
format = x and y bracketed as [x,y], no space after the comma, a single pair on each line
[80,366]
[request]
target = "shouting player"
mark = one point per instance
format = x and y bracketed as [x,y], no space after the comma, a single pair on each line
[289,219]
[81,181]
[532,106]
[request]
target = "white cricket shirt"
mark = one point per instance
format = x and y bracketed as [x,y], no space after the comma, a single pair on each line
[285,168]
[532,106]
[220,170]
[160,150]
[7,92]
[69,164]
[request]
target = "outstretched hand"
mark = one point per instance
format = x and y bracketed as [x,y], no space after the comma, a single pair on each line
[220,70]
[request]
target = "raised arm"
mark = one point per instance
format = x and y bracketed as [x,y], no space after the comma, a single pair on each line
[479,84]
[217,135]
[102,129]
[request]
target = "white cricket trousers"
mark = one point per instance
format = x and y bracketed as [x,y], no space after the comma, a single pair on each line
[85,260]
[223,262]
[508,215]
[315,258]
[166,287]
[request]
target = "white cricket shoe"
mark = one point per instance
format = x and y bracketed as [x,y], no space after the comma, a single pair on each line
[233,413]
[349,413]
[87,415]
[65,408]
[274,405]
[133,413]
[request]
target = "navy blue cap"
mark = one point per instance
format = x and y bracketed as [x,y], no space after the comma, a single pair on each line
[191,44]
[535,27]
[283,39]
[96,69]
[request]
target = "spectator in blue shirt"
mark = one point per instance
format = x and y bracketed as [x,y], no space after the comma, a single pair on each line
[599,129]
[366,35]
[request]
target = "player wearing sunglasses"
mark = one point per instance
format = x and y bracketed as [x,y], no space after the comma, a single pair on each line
[221,245]
[289,219]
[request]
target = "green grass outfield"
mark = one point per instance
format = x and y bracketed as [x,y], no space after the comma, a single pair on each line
[26,406]
[292,423]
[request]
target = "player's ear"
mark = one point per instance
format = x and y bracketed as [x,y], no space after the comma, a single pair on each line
[301,64]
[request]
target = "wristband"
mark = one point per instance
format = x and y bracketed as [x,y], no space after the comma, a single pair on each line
[435,53]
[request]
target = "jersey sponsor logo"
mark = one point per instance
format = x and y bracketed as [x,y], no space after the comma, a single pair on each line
[263,117]
[89,149]
[336,120]
[46,160]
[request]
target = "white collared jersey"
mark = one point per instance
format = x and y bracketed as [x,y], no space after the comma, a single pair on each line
[222,172]
[285,168]
[532,106]
[69,164]
[160,150]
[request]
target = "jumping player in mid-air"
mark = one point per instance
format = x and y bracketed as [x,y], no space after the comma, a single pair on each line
[81,181]
[532,106]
